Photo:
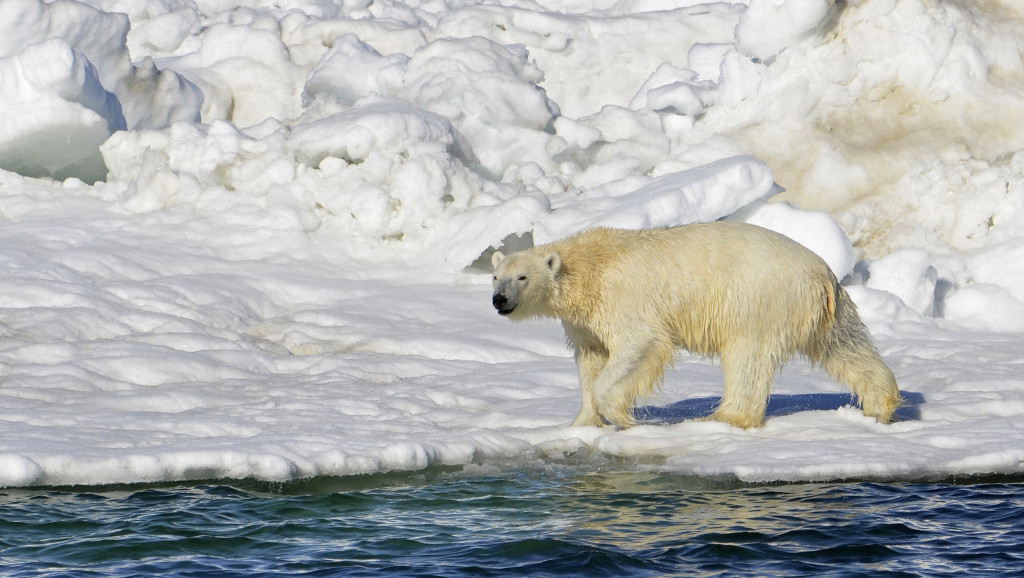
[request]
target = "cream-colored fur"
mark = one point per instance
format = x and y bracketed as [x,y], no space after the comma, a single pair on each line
[752,297]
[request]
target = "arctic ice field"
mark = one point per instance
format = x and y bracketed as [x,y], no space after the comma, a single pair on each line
[248,238]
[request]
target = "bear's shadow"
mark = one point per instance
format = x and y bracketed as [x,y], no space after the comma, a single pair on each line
[778,405]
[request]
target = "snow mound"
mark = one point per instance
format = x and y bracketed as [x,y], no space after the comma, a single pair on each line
[66,84]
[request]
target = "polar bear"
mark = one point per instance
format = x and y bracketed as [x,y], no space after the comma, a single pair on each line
[752,297]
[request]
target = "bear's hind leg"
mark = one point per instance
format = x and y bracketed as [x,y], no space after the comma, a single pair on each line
[748,383]
[862,369]
[589,362]
[849,356]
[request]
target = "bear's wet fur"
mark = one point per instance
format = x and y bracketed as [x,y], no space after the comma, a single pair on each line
[628,299]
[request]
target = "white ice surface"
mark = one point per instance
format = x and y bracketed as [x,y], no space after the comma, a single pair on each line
[268,280]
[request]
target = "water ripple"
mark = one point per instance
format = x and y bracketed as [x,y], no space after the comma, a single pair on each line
[521,523]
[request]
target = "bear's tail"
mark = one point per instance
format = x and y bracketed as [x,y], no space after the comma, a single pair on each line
[849,356]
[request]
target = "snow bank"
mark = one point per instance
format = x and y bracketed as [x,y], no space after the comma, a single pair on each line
[56,113]
[66,84]
[767,27]
[236,234]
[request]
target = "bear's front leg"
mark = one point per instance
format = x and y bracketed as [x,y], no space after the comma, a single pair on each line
[629,374]
[589,362]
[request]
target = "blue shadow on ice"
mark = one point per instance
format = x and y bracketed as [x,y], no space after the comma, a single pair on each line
[777,405]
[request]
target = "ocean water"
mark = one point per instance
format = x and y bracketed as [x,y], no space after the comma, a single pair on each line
[539,522]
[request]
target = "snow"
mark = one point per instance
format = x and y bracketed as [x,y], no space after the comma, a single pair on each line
[767,27]
[245,238]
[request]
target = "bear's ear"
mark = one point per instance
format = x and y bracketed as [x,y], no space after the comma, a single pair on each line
[496,258]
[553,262]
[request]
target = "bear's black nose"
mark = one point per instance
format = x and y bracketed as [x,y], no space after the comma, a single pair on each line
[499,301]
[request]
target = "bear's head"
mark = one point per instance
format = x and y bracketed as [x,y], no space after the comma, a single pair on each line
[523,282]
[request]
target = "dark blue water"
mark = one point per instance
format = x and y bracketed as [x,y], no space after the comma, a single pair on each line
[539,523]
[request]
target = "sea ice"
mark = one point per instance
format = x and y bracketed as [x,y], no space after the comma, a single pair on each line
[243,238]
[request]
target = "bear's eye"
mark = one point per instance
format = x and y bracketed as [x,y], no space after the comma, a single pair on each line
[522,277]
